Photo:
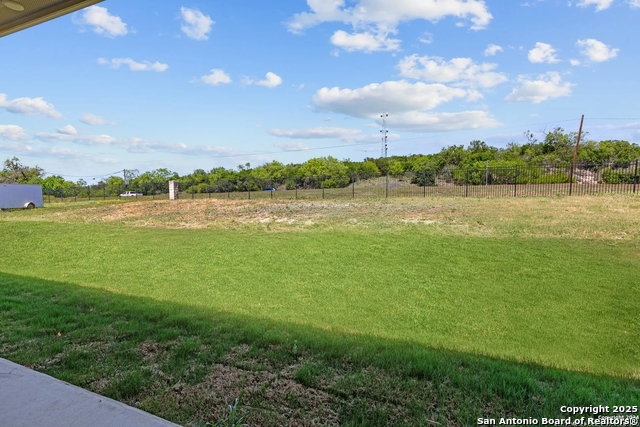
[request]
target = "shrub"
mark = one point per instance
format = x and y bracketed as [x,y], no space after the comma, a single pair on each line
[610,176]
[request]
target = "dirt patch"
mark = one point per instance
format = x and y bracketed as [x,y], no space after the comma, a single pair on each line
[267,398]
[597,217]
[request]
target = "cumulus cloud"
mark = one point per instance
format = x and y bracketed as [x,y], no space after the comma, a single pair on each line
[634,3]
[103,22]
[291,146]
[68,130]
[543,52]
[373,20]
[492,49]
[596,51]
[215,78]
[419,121]
[575,62]
[366,41]
[546,86]
[391,96]
[389,14]
[271,80]
[461,71]
[196,25]
[133,65]
[94,120]
[599,4]
[29,106]
[12,133]
[407,104]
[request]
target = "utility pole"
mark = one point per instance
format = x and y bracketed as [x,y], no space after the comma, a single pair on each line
[575,155]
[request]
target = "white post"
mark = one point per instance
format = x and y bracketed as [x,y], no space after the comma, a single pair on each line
[173,190]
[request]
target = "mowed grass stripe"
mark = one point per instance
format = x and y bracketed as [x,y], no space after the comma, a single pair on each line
[562,303]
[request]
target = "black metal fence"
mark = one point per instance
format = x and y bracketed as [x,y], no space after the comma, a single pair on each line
[481,181]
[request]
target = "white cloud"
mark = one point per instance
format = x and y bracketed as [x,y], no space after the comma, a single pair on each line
[217,77]
[136,145]
[133,65]
[600,4]
[196,24]
[102,22]
[427,38]
[634,3]
[29,106]
[543,52]
[392,96]
[406,103]
[94,120]
[68,130]
[418,121]
[12,133]
[317,133]
[387,15]
[463,71]
[366,42]
[291,146]
[373,20]
[492,49]
[343,134]
[271,80]
[575,62]
[596,51]
[547,86]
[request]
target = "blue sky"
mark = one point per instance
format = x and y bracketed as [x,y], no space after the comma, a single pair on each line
[203,84]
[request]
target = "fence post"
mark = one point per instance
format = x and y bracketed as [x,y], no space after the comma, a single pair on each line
[271,187]
[89,190]
[49,194]
[571,179]
[466,184]
[75,194]
[322,184]
[296,185]
[635,177]
[353,186]
[486,174]
[386,186]
[424,183]
[515,183]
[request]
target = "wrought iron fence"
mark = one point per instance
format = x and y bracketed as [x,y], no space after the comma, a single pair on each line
[480,181]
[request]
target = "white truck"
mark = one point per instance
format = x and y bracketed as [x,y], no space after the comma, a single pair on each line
[131,194]
[20,196]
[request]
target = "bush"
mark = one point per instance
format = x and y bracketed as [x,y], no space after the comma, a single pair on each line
[425,178]
[610,176]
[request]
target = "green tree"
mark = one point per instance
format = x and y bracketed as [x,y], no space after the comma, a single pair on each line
[14,171]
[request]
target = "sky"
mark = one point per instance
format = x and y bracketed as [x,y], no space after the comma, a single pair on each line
[205,84]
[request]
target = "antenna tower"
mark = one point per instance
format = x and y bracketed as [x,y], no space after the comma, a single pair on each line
[384,131]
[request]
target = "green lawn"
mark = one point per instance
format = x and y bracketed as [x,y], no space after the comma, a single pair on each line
[517,312]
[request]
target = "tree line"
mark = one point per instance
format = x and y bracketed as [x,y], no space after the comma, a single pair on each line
[556,148]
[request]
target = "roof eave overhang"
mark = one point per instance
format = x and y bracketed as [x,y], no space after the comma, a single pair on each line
[46,14]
